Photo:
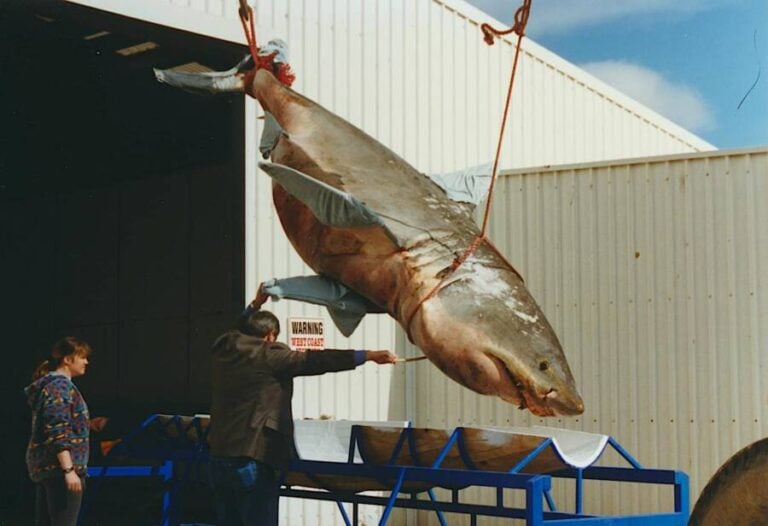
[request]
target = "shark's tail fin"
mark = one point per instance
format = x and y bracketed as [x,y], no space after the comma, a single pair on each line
[196,79]
[200,80]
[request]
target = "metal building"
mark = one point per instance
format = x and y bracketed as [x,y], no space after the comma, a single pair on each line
[652,272]
[417,76]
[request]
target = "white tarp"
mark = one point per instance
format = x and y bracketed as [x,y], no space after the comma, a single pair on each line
[328,440]
[577,449]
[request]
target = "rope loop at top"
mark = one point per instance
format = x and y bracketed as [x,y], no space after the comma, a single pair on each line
[521,20]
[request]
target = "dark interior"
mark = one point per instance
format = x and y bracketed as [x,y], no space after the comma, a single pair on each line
[121,217]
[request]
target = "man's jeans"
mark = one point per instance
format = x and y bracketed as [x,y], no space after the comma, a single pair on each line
[246,491]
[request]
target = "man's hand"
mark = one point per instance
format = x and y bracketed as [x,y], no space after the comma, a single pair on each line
[97,424]
[380,357]
[260,299]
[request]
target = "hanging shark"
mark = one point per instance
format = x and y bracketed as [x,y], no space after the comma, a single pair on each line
[366,220]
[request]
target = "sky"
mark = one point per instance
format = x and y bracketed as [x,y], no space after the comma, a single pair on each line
[701,63]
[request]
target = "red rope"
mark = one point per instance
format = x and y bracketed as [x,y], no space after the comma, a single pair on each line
[282,71]
[521,20]
[249,28]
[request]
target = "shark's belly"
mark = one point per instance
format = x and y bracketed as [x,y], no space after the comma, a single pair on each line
[364,259]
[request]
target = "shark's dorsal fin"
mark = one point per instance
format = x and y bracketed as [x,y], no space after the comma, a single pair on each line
[468,186]
[331,206]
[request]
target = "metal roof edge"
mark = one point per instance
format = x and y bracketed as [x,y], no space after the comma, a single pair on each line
[226,27]
[751,150]
[580,76]
[174,16]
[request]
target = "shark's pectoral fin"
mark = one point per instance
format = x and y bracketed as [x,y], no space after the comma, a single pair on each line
[331,206]
[270,135]
[346,307]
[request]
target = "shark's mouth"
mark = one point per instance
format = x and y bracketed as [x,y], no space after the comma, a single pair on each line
[514,391]
[519,388]
[526,397]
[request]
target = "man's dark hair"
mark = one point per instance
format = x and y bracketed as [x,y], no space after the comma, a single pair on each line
[259,324]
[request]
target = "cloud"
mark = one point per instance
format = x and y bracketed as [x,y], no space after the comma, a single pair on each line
[548,16]
[678,102]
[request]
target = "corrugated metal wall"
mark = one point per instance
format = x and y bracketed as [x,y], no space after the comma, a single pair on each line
[653,274]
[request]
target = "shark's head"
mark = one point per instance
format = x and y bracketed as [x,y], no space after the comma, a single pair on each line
[484,330]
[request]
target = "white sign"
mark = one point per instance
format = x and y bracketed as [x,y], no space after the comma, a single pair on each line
[306,334]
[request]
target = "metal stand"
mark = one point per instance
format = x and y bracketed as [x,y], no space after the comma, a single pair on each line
[536,486]
[165,441]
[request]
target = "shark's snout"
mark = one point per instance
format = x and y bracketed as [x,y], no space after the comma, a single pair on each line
[542,396]
[553,403]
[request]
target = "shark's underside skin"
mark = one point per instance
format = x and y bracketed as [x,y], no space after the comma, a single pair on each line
[389,233]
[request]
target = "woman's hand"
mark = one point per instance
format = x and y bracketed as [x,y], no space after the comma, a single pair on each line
[73,483]
[98,423]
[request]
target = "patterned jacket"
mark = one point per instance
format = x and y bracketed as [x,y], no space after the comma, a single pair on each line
[59,422]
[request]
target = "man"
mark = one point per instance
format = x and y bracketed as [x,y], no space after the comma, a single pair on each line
[251,434]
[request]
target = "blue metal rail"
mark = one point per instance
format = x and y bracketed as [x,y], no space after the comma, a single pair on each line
[163,441]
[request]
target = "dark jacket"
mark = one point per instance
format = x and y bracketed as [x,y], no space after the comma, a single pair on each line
[59,422]
[252,383]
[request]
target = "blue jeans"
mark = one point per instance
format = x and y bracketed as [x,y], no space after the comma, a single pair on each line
[246,491]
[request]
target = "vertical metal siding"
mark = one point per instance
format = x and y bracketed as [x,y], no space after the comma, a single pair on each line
[652,272]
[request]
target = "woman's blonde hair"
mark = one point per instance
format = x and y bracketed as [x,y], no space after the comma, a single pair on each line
[67,346]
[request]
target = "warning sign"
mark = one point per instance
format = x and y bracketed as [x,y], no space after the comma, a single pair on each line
[306,334]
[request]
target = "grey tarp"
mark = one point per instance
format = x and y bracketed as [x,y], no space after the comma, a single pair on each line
[345,306]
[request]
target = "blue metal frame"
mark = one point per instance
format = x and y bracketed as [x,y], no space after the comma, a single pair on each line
[172,449]
[536,487]
[188,443]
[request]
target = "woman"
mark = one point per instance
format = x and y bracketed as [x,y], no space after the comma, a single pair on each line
[57,454]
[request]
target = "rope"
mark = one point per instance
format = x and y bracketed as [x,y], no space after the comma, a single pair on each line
[521,20]
[249,28]
[280,70]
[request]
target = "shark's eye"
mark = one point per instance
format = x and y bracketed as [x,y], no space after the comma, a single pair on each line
[543,366]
